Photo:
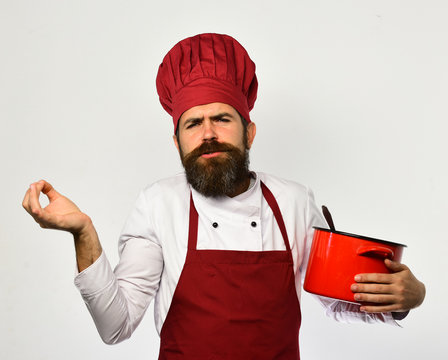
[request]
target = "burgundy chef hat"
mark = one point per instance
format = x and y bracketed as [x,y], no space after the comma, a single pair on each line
[203,69]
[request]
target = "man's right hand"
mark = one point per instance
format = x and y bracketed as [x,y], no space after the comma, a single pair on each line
[61,213]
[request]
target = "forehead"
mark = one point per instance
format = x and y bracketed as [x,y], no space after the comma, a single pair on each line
[207,110]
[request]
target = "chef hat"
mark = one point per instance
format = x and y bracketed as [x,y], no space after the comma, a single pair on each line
[203,69]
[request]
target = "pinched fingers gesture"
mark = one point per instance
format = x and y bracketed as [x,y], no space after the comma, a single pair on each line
[395,292]
[61,213]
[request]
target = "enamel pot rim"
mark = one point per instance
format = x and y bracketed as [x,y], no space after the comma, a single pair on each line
[362,237]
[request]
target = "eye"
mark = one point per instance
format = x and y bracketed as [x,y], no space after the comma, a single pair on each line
[192,124]
[223,120]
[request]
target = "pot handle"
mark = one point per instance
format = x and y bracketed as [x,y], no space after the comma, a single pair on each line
[375,251]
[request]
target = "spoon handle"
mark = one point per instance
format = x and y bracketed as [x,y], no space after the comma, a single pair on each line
[328,217]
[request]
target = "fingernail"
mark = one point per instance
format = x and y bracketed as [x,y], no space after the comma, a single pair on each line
[357,278]
[357,297]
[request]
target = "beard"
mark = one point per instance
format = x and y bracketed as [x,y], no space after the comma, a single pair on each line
[220,175]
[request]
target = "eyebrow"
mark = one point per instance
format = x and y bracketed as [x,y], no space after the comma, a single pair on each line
[220,116]
[213,117]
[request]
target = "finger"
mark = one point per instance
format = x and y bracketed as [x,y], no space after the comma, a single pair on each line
[395,266]
[26,200]
[34,204]
[372,288]
[379,278]
[40,185]
[379,308]
[380,299]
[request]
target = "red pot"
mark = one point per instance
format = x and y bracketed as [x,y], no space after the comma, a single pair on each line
[336,257]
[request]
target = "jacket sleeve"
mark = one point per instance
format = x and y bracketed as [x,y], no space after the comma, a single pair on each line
[117,300]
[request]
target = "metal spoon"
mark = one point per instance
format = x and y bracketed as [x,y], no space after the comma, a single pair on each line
[328,217]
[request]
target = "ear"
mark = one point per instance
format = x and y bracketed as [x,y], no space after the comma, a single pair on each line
[251,131]
[176,143]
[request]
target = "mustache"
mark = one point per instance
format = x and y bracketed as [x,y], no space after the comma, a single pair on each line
[210,147]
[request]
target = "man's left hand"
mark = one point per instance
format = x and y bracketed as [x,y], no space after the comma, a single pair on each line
[398,291]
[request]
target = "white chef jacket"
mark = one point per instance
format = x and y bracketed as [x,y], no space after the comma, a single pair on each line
[153,248]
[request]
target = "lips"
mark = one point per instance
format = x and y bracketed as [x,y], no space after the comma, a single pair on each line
[208,155]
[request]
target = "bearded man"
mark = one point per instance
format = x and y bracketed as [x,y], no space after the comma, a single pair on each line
[221,249]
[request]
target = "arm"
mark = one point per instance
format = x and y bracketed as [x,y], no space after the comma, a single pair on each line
[62,214]
[116,301]
[348,312]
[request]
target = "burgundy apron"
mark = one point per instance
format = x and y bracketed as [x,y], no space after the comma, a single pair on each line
[238,305]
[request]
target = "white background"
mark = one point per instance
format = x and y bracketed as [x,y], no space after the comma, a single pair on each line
[352,102]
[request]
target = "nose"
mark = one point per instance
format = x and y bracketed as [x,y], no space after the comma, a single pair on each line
[209,131]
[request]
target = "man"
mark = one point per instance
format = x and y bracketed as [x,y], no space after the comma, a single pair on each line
[220,248]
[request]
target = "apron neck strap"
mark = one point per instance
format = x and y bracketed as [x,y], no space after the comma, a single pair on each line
[277,214]
[193,227]
[193,223]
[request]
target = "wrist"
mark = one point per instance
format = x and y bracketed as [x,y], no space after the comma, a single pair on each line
[84,229]
[87,246]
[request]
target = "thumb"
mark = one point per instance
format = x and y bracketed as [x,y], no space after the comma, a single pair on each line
[49,191]
[395,266]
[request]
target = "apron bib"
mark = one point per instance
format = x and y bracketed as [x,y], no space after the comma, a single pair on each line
[238,305]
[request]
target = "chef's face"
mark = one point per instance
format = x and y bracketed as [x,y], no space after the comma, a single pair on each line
[213,144]
[216,121]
